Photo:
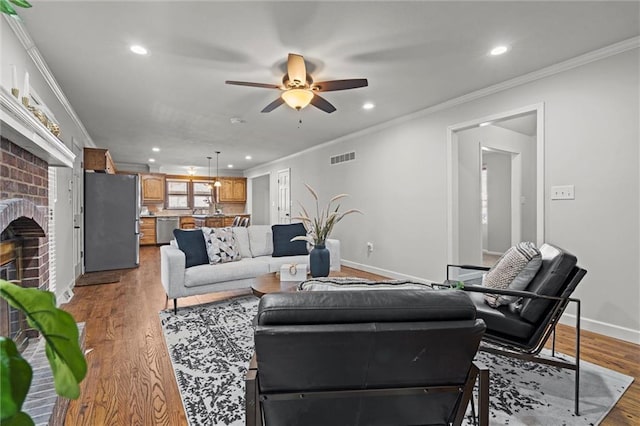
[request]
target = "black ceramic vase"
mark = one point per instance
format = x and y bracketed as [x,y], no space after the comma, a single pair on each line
[319,258]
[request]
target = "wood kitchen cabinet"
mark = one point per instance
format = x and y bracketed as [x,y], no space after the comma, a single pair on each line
[187,222]
[233,190]
[152,188]
[98,160]
[147,231]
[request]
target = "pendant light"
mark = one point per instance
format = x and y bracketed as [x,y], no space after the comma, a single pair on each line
[209,172]
[217,183]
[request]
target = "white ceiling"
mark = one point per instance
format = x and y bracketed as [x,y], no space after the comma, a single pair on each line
[414,54]
[525,124]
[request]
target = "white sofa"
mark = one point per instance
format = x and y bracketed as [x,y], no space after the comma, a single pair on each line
[255,245]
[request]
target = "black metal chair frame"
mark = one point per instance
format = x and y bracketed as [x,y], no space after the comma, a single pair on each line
[513,348]
[253,397]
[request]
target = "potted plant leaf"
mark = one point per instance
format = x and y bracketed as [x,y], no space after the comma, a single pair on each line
[60,332]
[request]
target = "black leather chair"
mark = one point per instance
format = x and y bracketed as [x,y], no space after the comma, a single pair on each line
[522,330]
[395,357]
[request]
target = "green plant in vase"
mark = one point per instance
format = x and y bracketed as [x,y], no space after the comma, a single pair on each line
[5,6]
[319,229]
[62,348]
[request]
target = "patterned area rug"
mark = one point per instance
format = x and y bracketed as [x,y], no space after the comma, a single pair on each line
[210,347]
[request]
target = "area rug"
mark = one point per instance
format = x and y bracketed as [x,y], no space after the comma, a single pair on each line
[94,278]
[210,347]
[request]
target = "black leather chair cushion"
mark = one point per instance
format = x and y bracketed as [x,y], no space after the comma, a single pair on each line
[501,321]
[339,307]
[556,266]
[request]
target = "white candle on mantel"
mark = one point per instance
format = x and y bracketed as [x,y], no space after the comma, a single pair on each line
[25,93]
[14,77]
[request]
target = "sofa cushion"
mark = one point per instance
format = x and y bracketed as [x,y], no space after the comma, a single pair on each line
[282,244]
[557,264]
[211,274]
[260,240]
[331,307]
[242,237]
[514,270]
[221,245]
[192,243]
[501,320]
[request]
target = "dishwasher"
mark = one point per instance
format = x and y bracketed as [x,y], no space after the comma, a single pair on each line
[165,227]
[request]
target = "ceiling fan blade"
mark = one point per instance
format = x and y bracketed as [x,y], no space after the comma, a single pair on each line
[246,83]
[323,104]
[273,105]
[333,85]
[296,69]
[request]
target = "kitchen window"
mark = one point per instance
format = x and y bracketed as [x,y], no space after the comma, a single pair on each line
[201,195]
[177,194]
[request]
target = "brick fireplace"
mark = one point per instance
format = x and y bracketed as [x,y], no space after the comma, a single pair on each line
[23,227]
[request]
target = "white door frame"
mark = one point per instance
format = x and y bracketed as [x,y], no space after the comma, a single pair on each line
[452,167]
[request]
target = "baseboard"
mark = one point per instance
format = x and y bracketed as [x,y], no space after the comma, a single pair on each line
[66,295]
[610,330]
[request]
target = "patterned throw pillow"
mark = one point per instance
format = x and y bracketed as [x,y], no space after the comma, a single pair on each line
[514,270]
[222,246]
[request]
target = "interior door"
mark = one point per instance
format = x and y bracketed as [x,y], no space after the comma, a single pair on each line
[284,196]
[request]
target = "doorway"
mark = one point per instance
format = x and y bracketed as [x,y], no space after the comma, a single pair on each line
[260,200]
[510,207]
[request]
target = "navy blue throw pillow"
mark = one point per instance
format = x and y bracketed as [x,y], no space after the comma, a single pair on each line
[282,244]
[193,245]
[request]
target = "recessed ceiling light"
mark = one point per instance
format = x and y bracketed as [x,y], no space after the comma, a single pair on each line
[138,50]
[248,157]
[191,171]
[368,105]
[155,149]
[230,166]
[152,160]
[499,50]
[486,123]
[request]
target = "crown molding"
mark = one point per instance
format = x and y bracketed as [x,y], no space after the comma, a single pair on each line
[596,55]
[21,32]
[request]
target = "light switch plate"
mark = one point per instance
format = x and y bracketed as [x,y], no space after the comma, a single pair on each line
[563,192]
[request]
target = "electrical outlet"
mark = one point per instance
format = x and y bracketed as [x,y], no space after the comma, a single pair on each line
[370,247]
[563,192]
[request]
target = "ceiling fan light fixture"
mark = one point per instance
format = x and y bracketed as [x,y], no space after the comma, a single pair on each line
[297,98]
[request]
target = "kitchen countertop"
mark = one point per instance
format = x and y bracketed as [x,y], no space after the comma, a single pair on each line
[197,216]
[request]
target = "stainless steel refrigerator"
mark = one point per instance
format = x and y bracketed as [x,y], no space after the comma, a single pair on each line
[111,221]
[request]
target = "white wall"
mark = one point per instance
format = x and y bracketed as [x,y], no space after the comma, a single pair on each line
[399,180]
[13,52]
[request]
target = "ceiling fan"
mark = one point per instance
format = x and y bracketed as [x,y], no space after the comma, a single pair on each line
[299,89]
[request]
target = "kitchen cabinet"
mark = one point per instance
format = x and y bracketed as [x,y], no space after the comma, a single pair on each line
[233,190]
[187,222]
[152,188]
[147,231]
[98,160]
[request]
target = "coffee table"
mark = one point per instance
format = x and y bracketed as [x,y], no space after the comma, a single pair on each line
[270,283]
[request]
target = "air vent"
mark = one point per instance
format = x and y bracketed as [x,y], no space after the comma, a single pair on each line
[337,159]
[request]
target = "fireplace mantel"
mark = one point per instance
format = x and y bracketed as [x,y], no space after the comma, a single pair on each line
[22,128]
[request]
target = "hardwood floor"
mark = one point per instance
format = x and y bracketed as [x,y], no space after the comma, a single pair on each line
[131,382]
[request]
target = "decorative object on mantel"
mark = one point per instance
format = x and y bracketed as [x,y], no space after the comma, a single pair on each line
[5,7]
[318,230]
[14,82]
[27,97]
